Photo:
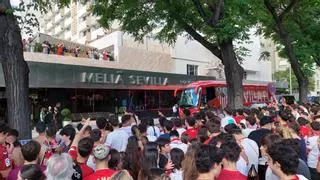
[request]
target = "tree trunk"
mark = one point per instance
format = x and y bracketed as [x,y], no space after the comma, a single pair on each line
[16,73]
[234,75]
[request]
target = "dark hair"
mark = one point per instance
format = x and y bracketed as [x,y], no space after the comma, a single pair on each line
[197,116]
[315,125]
[270,139]
[114,159]
[190,121]
[157,174]
[186,112]
[79,126]
[240,111]
[51,131]
[85,146]
[31,172]
[177,122]
[206,156]
[114,121]
[293,143]
[174,133]
[40,127]
[294,126]
[95,135]
[213,126]
[149,161]
[13,132]
[284,116]
[177,156]
[133,157]
[251,119]
[302,121]
[184,138]
[224,138]
[101,122]
[31,150]
[142,128]
[228,110]
[162,142]
[162,120]
[231,151]
[4,128]
[68,131]
[285,156]
[232,129]
[168,125]
[203,134]
[150,145]
[125,118]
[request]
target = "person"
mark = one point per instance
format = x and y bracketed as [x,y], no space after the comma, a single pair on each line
[157,174]
[312,146]
[164,147]
[249,146]
[126,122]
[177,156]
[132,160]
[208,162]
[178,125]
[213,127]
[191,131]
[30,172]
[101,155]
[150,160]
[102,124]
[30,152]
[228,119]
[283,161]
[189,163]
[121,175]
[60,49]
[59,167]
[200,120]
[5,163]
[231,155]
[168,125]
[115,160]
[67,134]
[251,125]
[117,139]
[95,136]
[143,130]
[175,141]
[45,47]
[152,130]
[14,147]
[175,110]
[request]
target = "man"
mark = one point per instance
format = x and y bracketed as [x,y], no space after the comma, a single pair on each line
[231,152]
[175,141]
[178,125]
[5,163]
[126,122]
[266,125]
[102,124]
[191,131]
[251,125]
[30,153]
[213,127]
[312,146]
[164,147]
[117,139]
[101,158]
[168,125]
[41,130]
[228,119]
[199,120]
[283,161]
[208,162]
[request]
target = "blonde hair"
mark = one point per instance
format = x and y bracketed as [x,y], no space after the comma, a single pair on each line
[121,175]
[285,132]
[189,163]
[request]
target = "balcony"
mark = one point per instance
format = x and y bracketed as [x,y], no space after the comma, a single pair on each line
[83,26]
[82,11]
[57,18]
[68,21]
[58,29]
[67,34]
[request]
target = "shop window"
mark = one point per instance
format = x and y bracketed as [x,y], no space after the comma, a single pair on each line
[192,70]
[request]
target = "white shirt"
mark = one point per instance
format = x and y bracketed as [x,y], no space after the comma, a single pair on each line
[252,151]
[153,131]
[117,139]
[227,120]
[312,145]
[242,166]
[180,131]
[178,144]
[271,176]
[176,175]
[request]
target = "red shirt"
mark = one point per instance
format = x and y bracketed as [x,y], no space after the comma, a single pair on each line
[5,162]
[238,118]
[86,170]
[228,175]
[103,173]
[192,133]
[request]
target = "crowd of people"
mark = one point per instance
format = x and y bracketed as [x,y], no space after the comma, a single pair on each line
[279,141]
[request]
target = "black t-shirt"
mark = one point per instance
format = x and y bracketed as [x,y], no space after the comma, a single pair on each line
[77,174]
[258,135]
[163,160]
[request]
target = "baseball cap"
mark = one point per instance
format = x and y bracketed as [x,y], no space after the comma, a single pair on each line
[265,120]
[101,151]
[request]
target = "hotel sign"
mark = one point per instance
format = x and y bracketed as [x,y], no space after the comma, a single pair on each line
[119,78]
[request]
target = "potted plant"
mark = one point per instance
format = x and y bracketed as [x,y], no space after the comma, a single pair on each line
[66,113]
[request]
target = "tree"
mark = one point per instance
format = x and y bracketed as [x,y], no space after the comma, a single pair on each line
[215,24]
[284,76]
[293,24]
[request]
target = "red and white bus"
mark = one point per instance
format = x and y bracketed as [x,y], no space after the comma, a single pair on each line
[200,93]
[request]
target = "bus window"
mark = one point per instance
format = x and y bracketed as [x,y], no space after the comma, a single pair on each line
[189,98]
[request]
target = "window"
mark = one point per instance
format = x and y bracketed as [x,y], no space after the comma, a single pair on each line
[192,70]
[245,75]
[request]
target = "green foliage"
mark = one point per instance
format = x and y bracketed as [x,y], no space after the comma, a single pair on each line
[66,113]
[284,76]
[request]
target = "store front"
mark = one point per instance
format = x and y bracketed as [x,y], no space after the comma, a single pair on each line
[91,89]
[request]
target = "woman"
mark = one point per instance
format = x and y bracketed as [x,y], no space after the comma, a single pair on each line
[133,157]
[115,159]
[150,160]
[177,157]
[189,163]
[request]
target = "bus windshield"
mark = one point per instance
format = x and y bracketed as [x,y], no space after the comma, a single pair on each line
[189,98]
